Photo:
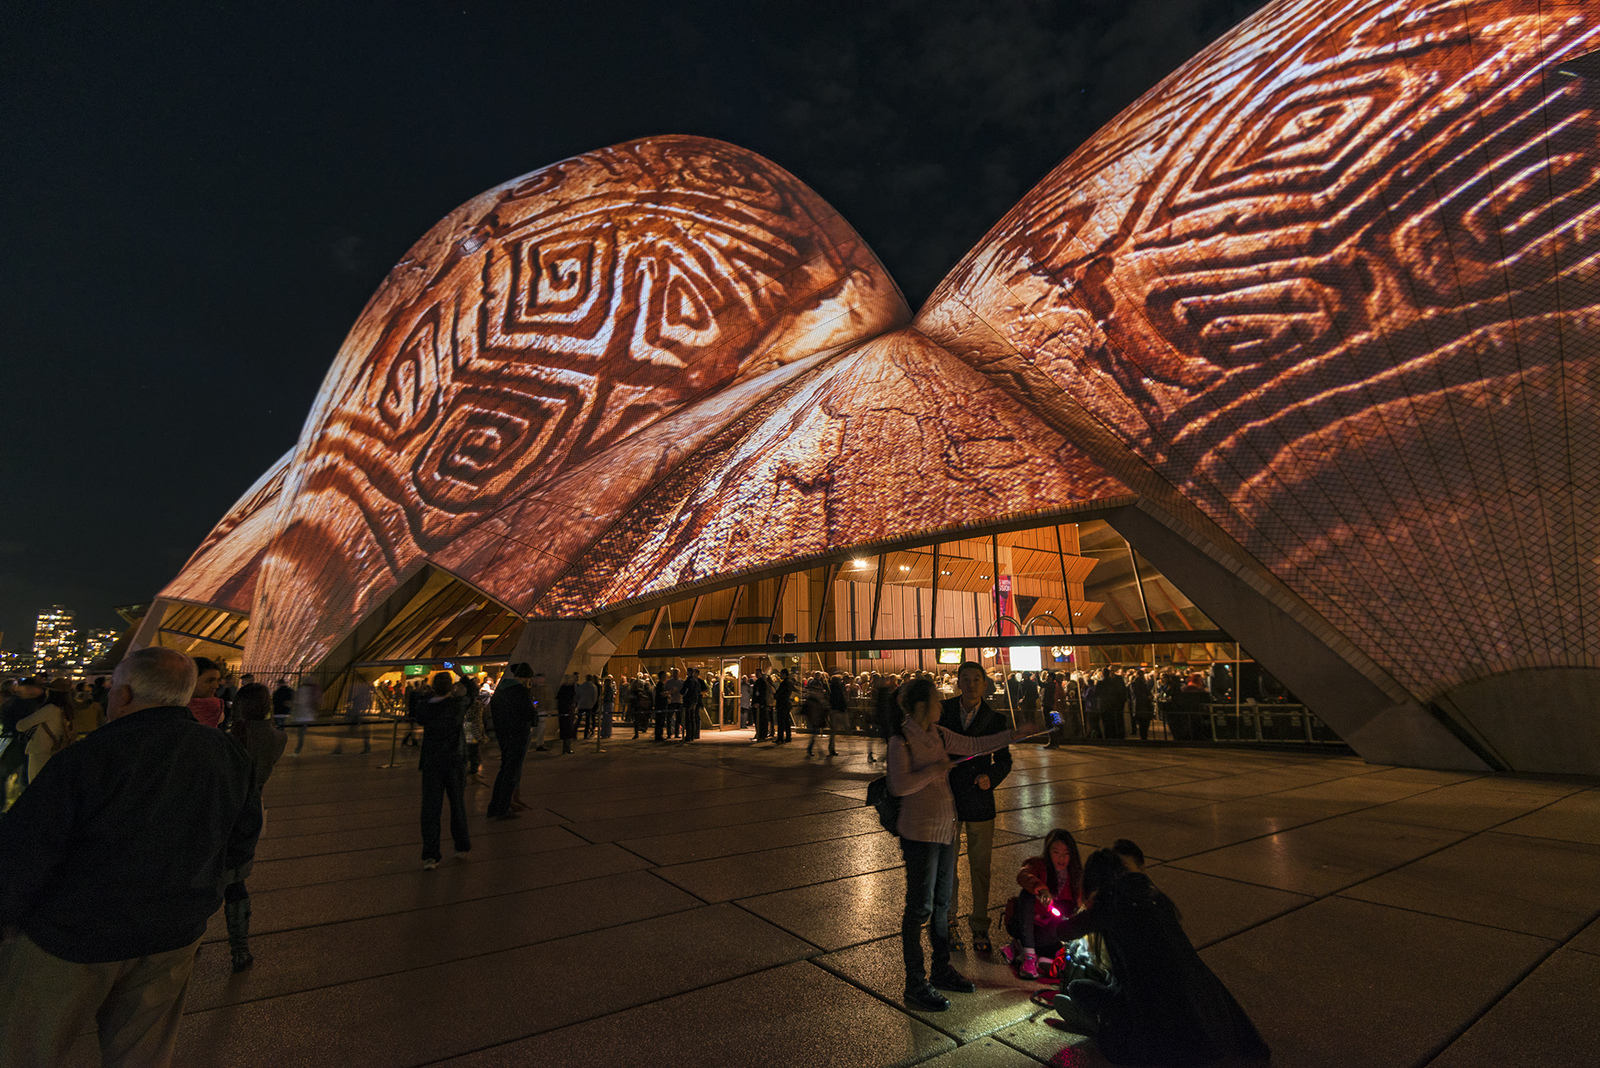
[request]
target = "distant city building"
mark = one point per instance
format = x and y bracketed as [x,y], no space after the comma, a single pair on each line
[15,663]
[97,643]
[55,641]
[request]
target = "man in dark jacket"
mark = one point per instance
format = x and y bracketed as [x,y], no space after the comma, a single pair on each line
[513,713]
[694,692]
[110,866]
[444,772]
[761,697]
[1144,702]
[973,783]
[783,702]
[282,700]
[567,711]
[1111,698]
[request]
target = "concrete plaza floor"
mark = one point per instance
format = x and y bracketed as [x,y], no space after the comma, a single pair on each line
[726,903]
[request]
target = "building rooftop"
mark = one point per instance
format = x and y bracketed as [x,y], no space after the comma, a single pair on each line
[724,903]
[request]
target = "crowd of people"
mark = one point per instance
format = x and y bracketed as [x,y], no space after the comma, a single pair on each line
[1099,929]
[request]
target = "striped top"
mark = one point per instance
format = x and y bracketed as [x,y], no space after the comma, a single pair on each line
[919,777]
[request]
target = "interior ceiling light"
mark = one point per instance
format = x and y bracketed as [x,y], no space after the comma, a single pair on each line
[905,567]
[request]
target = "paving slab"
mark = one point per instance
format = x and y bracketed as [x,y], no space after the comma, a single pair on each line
[282,800]
[1575,818]
[359,863]
[1213,909]
[1149,777]
[405,891]
[984,1053]
[1343,982]
[1321,858]
[1362,789]
[430,1014]
[1076,815]
[1023,795]
[620,827]
[1588,939]
[691,800]
[1048,1045]
[1174,834]
[279,826]
[840,913]
[1256,783]
[798,1014]
[330,954]
[750,838]
[1000,1001]
[1474,804]
[727,878]
[1427,775]
[393,834]
[1550,1020]
[1534,885]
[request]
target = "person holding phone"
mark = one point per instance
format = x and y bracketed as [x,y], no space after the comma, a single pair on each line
[919,757]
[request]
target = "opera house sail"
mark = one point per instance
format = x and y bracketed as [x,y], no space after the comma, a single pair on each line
[1312,325]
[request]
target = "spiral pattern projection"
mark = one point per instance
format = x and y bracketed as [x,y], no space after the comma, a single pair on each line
[544,355]
[1335,282]
[222,571]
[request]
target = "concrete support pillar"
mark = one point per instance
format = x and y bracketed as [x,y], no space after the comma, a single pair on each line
[1381,723]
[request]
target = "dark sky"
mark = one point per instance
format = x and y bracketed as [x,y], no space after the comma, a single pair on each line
[197,199]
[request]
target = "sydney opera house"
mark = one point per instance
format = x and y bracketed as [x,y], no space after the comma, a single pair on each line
[1299,352]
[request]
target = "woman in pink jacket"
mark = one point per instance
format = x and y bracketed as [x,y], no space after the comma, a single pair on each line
[919,774]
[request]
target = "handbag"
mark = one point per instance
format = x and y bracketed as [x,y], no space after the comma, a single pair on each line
[886,803]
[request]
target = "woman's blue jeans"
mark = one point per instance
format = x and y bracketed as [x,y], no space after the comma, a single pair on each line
[930,874]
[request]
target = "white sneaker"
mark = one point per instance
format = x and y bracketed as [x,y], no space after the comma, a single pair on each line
[429,865]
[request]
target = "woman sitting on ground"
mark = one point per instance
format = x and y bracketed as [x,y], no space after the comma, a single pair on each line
[1163,1005]
[919,774]
[1051,885]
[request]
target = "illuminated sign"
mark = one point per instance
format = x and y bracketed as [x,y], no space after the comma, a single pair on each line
[412,671]
[1026,658]
[950,656]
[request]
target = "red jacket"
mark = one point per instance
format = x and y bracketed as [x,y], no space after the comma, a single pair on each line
[1034,877]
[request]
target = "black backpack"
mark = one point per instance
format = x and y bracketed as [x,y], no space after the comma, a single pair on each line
[887,804]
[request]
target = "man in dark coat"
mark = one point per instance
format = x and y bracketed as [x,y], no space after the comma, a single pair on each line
[1111,698]
[282,700]
[444,772]
[761,697]
[513,713]
[567,711]
[1144,703]
[973,783]
[111,863]
[694,691]
[783,702]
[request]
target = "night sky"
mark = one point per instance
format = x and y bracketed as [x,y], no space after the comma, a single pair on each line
[197,200]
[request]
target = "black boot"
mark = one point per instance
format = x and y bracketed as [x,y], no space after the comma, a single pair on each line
[237,913]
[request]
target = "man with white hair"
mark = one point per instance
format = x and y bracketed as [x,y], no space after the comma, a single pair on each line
[110,866]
